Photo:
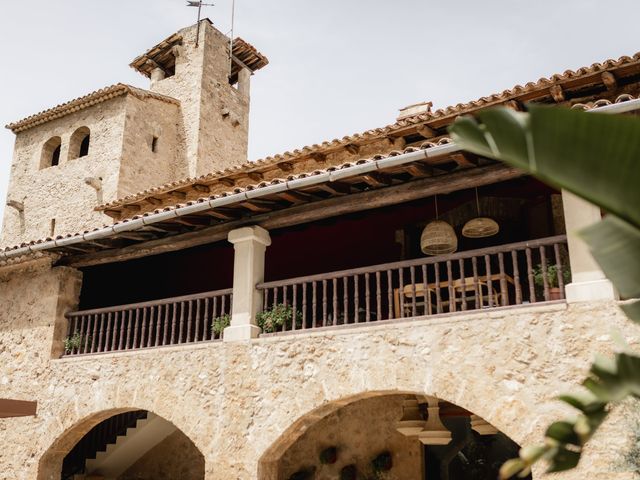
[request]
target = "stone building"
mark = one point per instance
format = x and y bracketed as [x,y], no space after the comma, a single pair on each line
[171,310]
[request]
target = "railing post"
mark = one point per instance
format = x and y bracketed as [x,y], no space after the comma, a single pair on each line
[250,244]
[588,282]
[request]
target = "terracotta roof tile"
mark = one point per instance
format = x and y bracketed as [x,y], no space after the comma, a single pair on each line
[81,103]
[443,113]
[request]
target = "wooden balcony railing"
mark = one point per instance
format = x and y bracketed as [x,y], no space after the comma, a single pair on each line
[513,274]
[158,323]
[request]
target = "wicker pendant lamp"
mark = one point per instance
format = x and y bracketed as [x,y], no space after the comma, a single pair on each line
[480,227]
[438,237]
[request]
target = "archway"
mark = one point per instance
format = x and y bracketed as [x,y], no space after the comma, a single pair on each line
[388,435]
[122,444]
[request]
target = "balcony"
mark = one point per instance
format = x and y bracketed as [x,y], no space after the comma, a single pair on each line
[506,275]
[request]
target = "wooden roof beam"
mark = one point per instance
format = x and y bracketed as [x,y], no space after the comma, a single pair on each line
[557,93]
[352,148]
[464,160]
[17,408]
[426,132]
[199,187]
[417,169]
[285,166]
[377,179]
[227,182]
[295,197]
[609,80]
[336,188]
[255,176]
[223,213]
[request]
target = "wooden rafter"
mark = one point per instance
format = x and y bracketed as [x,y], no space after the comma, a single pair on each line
[17,408]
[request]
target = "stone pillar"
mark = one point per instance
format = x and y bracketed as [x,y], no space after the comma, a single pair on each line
[244,82]
[588,282]
[250,244]
[157,74]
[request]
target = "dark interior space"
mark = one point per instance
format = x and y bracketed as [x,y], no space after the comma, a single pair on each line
[469,455]
[522,207]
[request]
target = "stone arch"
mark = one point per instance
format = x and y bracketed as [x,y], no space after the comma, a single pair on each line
[79,143]
[159,456]
[50,155]
[270,463]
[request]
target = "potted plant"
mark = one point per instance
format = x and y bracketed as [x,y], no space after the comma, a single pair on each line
[278,317]
[219,324]
[552,280]
[75,342]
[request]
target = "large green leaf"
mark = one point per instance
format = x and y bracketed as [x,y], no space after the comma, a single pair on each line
[616,247]
[594,155]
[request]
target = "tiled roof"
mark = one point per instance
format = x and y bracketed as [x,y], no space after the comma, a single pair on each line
[549,89]
[81,103]
[254,187]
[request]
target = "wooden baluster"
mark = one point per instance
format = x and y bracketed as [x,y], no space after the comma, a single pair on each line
[206,330]
[94,331]
[378,297]
[504,293]
[516,276]
[187,337]
[356,299]
[223,306]
[101,334]
[367,288]
[477,290]
[174,322]
[214,314]
[265,299]
[84,334]
[166,326]
[345,300]
[143,329]
[196,333]
[532,289]
[314,303]
[389,295]
[559,272]
[124,324]
[324,303]
[285,297]
[304,305]
[114,335]
[452,291]
[401,290]
[80,330]
[487,266]
[335,301]
[154,326]
[436,267]
[412,272]
[107,334]
[127,341]
[295,306]
[136,329]
[463,281]
[426,297]
[545,279]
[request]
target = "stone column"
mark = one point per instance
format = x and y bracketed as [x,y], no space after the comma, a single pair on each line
[244,82]
[250,244]
[588,282]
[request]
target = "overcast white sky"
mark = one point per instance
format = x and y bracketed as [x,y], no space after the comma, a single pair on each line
[337,66]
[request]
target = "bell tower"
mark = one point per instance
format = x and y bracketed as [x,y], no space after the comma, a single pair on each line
[213,87]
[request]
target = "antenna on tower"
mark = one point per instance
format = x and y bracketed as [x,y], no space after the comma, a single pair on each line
[199,4]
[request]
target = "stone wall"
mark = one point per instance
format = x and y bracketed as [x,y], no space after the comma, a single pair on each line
[244,404]
[141,167]
[60,192]
[215,115]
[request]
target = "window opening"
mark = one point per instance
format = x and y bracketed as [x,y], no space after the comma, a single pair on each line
[84,146]
[79,143]
[51,153]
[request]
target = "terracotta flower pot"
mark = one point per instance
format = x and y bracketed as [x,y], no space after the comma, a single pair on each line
[555,293]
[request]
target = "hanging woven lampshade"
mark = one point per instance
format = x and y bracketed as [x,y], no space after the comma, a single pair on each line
[438,238]
[480,227]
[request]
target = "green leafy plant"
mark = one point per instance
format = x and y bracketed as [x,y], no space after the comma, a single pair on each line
[219,324]
[594,156]
[552,276]
[75,342]
[273,319]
